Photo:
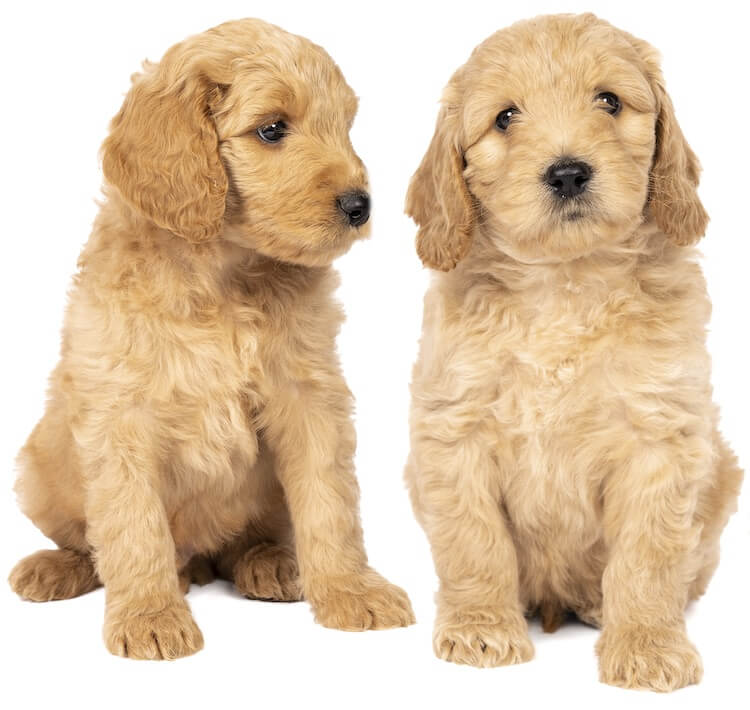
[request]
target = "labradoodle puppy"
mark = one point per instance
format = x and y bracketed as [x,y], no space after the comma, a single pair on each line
[198,420]
[565,455]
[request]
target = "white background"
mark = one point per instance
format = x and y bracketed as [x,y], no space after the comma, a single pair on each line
[65,69]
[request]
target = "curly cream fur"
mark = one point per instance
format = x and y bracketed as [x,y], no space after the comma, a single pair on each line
[198,419]
[565,455]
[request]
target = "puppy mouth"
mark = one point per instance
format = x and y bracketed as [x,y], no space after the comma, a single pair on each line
[339,237]
[573,210]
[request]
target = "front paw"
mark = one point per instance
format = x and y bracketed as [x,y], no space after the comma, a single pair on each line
[484,640]
[163,635]
[650,658]
[359,602]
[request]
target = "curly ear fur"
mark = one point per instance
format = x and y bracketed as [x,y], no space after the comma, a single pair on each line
[162,150]
[673,199]
[438,199]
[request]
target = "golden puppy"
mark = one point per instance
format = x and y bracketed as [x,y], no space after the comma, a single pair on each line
[198,408]
[565,456]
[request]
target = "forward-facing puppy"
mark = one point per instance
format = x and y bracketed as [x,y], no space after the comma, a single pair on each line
[565,456]
[198,413]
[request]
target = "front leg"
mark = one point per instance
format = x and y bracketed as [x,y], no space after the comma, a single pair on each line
[308,426]
[649,511]
[146,614]
[453,479]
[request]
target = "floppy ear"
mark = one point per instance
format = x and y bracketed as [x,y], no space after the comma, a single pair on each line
[673,182]
[438,199]
[162,150]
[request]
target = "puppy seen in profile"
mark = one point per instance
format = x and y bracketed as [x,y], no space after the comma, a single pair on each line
[198,421]
[565,455]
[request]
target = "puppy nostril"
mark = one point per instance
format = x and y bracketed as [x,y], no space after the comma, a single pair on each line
[356,207]
[568,178]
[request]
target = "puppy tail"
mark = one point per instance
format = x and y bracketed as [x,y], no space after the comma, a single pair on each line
[552,614]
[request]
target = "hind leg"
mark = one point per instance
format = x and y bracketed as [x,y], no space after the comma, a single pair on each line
[268,571]
[50,494]
[262,565]
[715,506]
[261,561]
[49,575]
[260,568]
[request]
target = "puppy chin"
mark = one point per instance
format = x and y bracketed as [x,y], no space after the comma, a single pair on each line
[336,243]
[332,241]
[574,234]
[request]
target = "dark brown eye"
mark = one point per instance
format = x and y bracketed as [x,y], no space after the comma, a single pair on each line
[609,102]
[505,117]
[273,132]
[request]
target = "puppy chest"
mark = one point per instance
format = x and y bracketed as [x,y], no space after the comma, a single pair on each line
[211,398]
[547,392]
[554,418]
[550,497]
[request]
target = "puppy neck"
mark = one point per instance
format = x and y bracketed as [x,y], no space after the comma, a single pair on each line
[138,255]
[595,271]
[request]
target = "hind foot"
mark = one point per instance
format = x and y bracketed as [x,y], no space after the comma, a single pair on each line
[48,575]
[268,571]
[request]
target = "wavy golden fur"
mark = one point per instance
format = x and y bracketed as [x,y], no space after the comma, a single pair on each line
[198,421]
[565,453]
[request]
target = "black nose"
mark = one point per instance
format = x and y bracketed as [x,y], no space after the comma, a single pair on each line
[568,178]
[356,206]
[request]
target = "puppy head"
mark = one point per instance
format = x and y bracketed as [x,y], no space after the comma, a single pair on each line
[243,132]
[556,138]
